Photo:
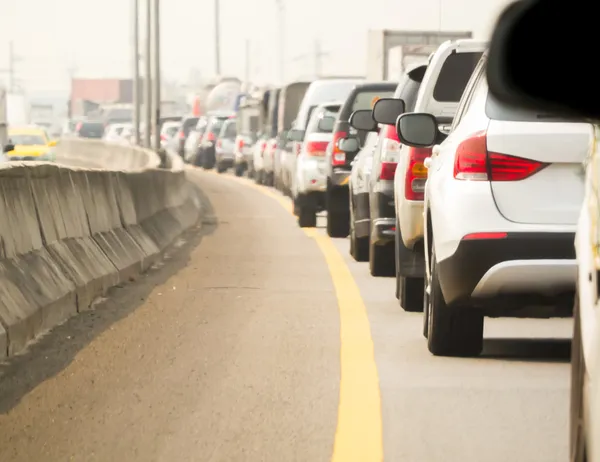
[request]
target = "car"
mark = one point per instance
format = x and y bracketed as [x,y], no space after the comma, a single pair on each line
[380,228]
[89,129]
[448,71]
[318,92]
[362,97]
[271,131]
[258,152]
[498,232]
[30,144]
[192,143]
[187,125]
[358,190]
[521,80]
[247,119]
[225,147]
[168,131]
[112,133]
[206,145]
[308,187]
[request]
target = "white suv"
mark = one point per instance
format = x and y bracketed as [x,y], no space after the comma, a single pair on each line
[444,82]
[501,205]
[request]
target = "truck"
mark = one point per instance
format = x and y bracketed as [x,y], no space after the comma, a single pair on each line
[390,52]
[41,114]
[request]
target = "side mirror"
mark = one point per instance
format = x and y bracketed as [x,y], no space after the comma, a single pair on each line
[326,124]
[296,135]
[417,129]
[8,148]
[387,110]
[52,143]
[363,120]
[349,145]
[522,70]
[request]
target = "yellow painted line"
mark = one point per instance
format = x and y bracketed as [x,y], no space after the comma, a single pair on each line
[358,436]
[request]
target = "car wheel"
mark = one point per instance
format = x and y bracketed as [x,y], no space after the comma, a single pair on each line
[338,223]
[359,246]
[577,424]
[307,217]
[381,260]
[258,177]
[452,330]
[221,168]
[409,291]
[239,170]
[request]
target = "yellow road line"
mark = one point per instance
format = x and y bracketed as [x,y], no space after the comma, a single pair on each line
[358,436]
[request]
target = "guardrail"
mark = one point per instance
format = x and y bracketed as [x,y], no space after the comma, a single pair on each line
[68,234]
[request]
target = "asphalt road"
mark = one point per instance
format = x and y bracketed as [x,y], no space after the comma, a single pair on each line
[258,341]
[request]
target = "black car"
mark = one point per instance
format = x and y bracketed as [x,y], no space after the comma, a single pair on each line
[339,166]
[90,129]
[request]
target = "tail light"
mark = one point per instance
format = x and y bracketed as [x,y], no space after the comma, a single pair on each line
[163,137]
[210,136]
[181,135]
[240,144]
[416,175]
[272,147]
[297,148]
[219,144]
[78,127]
[390,151]
[316,148]
[338,157]
[262,147]
[474,162]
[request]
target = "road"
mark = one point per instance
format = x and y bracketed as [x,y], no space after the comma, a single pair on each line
[258,341]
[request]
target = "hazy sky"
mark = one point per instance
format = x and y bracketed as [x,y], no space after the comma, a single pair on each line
[94,37]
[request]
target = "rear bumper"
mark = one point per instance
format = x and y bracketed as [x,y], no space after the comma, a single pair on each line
[340,176]
[531,265]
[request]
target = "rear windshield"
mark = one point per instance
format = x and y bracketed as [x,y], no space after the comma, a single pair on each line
[172,129]
[496,110]
[216,124]
[91,130]
[366,99]
[328,111]
[228,131]
[408,90]
[454,76]
[188,124]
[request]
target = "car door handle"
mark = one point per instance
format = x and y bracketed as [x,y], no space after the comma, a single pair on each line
[427,162]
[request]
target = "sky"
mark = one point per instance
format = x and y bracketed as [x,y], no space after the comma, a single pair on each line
[89,38]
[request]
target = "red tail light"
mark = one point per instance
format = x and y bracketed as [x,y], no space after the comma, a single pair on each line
[390,152]
[181,135]
[210,136]
[163,137]
[416,175]
[473,162]
[297,148]
[316,148]
[240,144]
[262,147]
[338,156]
[78,127]
[476,236]
[219,143]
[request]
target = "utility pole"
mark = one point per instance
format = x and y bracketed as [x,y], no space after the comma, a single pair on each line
[136,72]
[281,30]
[13,59]
[217,38]
[157,78]
[148,79]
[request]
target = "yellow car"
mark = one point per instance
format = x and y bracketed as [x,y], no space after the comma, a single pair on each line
[30,143]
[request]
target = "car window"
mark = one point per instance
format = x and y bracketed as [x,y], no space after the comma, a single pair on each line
[366,99]
[408,90]
[496,110]
[91,130]
[216,124]
[454,75]
[468,93]
[228,131]
[188,124]
[27,139]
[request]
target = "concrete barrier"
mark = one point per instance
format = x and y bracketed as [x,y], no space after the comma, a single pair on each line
[68,234]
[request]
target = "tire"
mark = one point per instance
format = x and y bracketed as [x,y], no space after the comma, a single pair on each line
[359,246]
[452,330]
[338,223]
[238,170]
[258,177]
[577,425]
[221,168]
[307,217]
[409,291]
[381,260]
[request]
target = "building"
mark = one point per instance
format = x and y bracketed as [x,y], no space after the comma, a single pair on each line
[87,94]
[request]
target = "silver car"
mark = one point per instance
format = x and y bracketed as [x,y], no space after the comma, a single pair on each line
[225,147]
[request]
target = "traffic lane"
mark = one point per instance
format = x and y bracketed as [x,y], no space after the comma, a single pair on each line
[510,404]
[234,357]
